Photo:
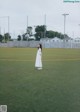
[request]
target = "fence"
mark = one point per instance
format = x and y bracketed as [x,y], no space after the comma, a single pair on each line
[45,44]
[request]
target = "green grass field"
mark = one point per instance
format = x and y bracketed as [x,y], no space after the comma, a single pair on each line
[56,88]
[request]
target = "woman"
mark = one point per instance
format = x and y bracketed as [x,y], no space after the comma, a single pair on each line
[38,62]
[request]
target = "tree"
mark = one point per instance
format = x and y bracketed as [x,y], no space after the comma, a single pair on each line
[19,37]
[40,32]
[52,34]
[25,36]
[7,36]
[1,38]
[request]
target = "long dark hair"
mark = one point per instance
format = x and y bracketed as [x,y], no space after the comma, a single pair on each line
[40,46]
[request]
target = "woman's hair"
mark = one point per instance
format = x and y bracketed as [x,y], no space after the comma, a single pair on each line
[40,46]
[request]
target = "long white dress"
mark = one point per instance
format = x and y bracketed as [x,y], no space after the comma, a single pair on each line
[38,62]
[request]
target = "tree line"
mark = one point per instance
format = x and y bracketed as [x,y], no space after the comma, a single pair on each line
[40,32]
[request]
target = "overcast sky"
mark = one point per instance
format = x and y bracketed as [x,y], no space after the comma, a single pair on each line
[18,10]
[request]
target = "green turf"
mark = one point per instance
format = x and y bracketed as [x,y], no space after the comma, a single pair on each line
[56,88]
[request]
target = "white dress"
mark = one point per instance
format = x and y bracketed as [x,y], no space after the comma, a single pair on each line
[38,62]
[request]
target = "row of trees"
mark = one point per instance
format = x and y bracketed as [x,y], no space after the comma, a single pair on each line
[4,38]
[41,32]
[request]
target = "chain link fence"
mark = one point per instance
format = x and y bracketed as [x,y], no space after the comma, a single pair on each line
[33,44]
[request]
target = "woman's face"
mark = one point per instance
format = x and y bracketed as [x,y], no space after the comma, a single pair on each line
[38,46]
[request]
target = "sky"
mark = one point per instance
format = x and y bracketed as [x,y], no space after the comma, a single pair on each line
[14,13]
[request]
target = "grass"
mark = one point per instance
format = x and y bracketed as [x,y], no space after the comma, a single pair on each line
[56,88]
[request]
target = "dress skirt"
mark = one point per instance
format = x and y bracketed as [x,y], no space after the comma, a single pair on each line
[38,62]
